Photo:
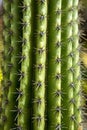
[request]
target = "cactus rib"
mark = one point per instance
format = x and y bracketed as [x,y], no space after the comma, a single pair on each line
[54,65]
[67,68]
[40,67]
[26,60]
[10,111]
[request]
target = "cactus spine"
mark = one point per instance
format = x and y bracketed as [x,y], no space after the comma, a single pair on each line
[54,39]
[54,65]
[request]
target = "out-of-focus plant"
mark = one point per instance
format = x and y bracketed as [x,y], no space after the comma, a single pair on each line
[1,77]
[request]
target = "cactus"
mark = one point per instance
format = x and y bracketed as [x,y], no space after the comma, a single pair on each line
[76,64]
[40,67]
[13,76]
[44,64]
[54,65]
[26,61]
[67,65]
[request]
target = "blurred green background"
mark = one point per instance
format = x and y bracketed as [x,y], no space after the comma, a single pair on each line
[1,49]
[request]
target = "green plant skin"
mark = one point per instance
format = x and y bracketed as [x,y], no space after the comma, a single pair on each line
[76,65]
[66,67]
[6,38]
[40,67]
[25,82]
[10,111]
[54,66]
[63,84]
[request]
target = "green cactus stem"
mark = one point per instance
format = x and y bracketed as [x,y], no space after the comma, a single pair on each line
[66,67]
[40,67]
[26,60]
[11,111]
[76,65]
[42,64]
[54,65]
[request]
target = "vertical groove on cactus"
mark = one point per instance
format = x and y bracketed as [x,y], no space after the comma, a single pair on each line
[26,61]
[6,38]
[54,65]
[34,18]
[40,67]
[67,68]
[11,109]
[76,65]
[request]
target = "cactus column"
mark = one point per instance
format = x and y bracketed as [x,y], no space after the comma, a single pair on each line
[26,60]
[40,67]
[10,111]
[54,65]
[50,28]
[66,67]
